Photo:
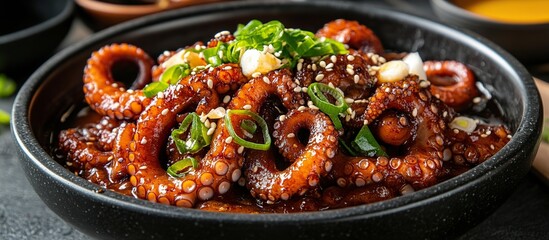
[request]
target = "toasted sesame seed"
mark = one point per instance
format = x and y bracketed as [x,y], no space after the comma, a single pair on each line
[165,112]
[350,71]
[333,58]
[256,74]
[210,83]
[226,99]
[329,65]
[240,150]
[228,139]
[476,100]
[247,107]
[304,89]
[210,131]
[266,80]
[290,135]
[282,118]
[313,67]
[349,100]
[227,68]
[297,89]
[299,65]
[350,57]
[301,108]
[414,112]
[319,77]
[322,64]
[144,141]
[356,78]
[160,95]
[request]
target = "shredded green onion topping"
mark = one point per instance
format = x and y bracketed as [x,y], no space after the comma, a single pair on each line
[286,43]
[258,120]
[248,125]
[182,167]
[198,137]
[365,143]
[171,76]
[316,92]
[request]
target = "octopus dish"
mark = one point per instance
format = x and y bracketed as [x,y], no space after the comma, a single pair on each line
[270,119]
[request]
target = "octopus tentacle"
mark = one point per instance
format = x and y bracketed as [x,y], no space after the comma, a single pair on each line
[423,164]
[107,96]
[268,183]
[354,34]
[473,148]
[452,82]
[221,165]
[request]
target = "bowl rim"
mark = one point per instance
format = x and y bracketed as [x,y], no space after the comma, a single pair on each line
[29,146]
[49,23]
[126,9]
[449,7]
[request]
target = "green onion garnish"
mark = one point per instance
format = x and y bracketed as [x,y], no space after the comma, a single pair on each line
[4,117]
[258,120]
[248,125]
[366,144]
[182,167]
[347,148]
[173,74]
[7,86]
[154,88]
[196,140]
[316,92]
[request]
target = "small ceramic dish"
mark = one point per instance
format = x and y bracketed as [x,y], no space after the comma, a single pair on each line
[527,42]
[439,212]
[31,31]
[100,14]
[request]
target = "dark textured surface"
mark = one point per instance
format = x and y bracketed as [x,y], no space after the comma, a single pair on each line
[525,215]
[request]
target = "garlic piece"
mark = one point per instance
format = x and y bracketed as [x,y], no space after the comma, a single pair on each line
[255,61]
[392,71]
[183,56]
[416,65]
[465,124]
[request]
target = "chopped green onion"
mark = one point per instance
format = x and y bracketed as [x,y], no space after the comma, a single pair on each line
[248,125]
[7,86]
[154,88]
[349,150]
[365,143]
[316,92]
[198,137]
[182,167]
[4,117]
[258,120]
[173,74]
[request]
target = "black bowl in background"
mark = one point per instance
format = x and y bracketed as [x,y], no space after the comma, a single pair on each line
[441,211]
[31,30]
[527,42]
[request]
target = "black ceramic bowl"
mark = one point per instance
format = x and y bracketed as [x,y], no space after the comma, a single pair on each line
[31,30]
[527,42]
[444,210]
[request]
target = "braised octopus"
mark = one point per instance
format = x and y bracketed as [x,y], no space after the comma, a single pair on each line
[350,123]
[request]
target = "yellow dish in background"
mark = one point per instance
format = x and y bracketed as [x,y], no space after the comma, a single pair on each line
[510,11]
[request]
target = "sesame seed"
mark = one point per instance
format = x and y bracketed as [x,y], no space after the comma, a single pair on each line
[313,67]
[282,118]
[210,131]
[240,150]
[483,135]
[297,89]
[256,74]
[144,141]
[414,112]
[356,78]
[299,66]
[350,71]
[333,58]
[247,107]
[476,100]
[266,80]
[301,108]
[210,83]
[331,85]
[165,112]
[424,84]
[290,135]
[322,64]
[160,95]
[304,89]
[226,99]
[228,139]
[329,65]
[227,68]
[319,77]
[349,100]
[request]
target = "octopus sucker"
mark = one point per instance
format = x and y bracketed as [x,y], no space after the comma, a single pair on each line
[291,127]
[106,95]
